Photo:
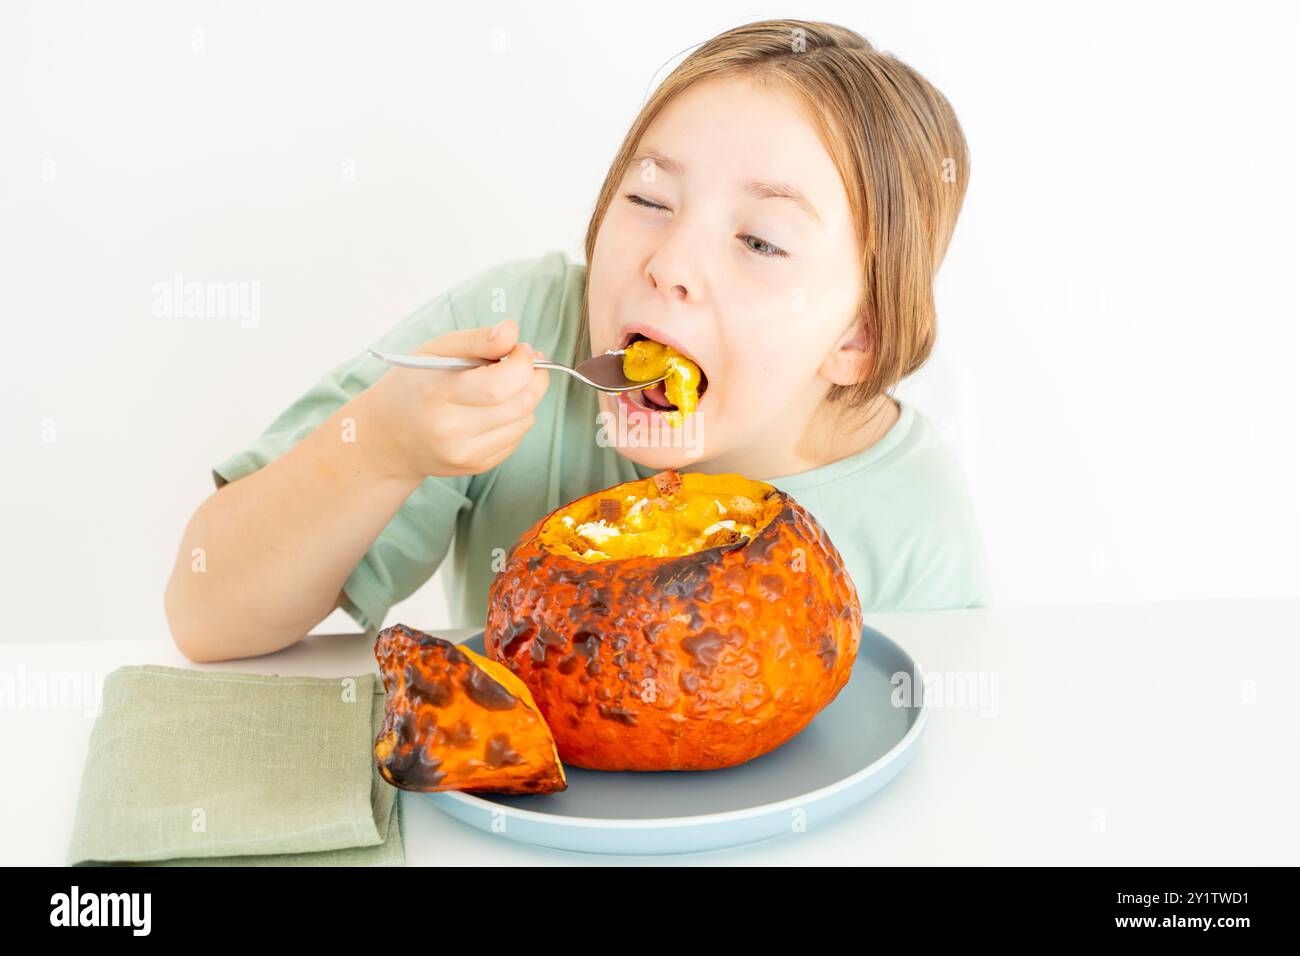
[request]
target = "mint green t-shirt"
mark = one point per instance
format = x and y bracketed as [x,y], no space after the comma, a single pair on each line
[899,512]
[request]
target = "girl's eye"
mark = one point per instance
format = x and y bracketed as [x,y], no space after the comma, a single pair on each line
[757,246]
[636,200]
[765,249]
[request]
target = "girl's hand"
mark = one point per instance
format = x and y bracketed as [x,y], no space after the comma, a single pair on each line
[423,422]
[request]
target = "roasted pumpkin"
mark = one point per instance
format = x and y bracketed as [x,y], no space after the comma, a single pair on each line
[656,636]
[454,720]
[645,360]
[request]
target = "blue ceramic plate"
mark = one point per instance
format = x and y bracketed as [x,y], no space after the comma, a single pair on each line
[852,748]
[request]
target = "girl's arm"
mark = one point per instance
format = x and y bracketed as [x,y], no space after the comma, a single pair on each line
[278,544]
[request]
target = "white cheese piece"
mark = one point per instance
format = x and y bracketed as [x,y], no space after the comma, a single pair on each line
[718,525]
[598,531]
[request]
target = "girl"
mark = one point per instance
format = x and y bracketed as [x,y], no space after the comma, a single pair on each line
[777,213]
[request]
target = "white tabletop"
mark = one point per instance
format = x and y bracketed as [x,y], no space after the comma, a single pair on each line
[1163,733]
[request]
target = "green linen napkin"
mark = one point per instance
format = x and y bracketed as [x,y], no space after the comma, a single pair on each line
[204,768]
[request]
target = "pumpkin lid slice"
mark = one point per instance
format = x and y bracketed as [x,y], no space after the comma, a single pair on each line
[454,720]
[666,515]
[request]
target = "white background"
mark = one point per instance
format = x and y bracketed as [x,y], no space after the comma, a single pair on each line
[1118,325]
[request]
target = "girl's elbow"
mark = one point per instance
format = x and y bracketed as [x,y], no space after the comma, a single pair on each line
[187,628]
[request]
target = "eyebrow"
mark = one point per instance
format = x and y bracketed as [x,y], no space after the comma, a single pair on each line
[759,189]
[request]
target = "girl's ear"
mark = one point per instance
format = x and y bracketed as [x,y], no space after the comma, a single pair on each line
[850,360]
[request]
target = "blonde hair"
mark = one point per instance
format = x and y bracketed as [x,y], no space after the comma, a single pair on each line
[899,150]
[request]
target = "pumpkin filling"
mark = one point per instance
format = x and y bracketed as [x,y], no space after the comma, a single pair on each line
[664,516]
[678,395]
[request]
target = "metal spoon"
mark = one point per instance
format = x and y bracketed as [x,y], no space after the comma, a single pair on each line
[603,372]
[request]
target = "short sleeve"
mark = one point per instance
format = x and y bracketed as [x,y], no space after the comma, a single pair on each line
[415,542]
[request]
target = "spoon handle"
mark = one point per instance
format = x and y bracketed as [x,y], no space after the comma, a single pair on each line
[429,361]
[441,361]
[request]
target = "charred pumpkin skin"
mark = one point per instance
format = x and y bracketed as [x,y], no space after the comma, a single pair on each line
[454,720]
[694,662]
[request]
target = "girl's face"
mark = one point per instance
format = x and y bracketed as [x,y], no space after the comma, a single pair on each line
[706,248]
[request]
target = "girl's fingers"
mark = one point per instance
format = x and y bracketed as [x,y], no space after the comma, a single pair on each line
[493,446]
[489,342]
[492,384]
[476,419]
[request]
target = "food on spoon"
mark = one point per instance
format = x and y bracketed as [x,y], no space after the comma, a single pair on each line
[645,360]
[680,622]
[454,720]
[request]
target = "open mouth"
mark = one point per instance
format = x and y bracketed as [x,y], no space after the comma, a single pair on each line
[655,398]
